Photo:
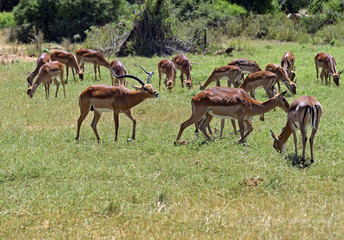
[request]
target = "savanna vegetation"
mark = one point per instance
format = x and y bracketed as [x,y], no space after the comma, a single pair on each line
[53,187]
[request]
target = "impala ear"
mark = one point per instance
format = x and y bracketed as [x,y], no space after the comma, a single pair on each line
[273,135]
[340,72]
[294,68]
[283,93]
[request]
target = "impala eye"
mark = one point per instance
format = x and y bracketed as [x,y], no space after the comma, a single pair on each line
[144,88]
[284,100]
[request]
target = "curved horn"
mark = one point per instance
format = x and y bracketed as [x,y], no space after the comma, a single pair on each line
[150,74]
[129,76]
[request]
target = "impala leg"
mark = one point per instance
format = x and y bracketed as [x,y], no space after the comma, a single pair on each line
[242,130]
[115,117]
[57,86]
[317,70]
[73,74]
[46,89]
[322,77]
[94,123]
[204,124]
[84,110]
[129,115]
[222,126]
[100,77]
[311,141]
[67,74]
[63,83]
[197,114]
[249,127]
[234,126]
[279,86]
[95,72]
[304,142]
[181,78]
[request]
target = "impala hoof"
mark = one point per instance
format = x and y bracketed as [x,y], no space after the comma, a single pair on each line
[312,161]
[129,140]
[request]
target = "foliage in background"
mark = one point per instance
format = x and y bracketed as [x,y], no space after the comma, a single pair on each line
[57,19]
[8,5]
[6,20]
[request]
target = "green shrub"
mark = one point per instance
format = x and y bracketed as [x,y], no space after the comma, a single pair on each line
[6,20]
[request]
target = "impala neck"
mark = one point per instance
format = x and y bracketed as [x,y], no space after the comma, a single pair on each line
[263,107]
[137,97]
[285,134]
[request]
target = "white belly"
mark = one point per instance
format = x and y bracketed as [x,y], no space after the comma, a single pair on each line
[101,110]
[220,116]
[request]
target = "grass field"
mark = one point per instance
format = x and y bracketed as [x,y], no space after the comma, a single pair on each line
[52,187]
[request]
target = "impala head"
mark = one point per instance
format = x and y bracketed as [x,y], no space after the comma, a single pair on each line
[169,84]
[144,88]
[278,145]
[336,77]
[30,91]
[291,74]
[188,83]
[282,101]
[292,87]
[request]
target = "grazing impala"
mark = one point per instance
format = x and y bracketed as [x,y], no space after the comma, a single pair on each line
[328,65]
[118,99]
[183,64]
[303,111]
[246,66]
[232,73]
[167,67]
[69,60]
[282,75]
[95,57]
[42,59]
[287,62]
[47,72]
[232,103]
[118,68]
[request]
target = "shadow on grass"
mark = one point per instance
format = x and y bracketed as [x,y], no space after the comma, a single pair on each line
[296,161]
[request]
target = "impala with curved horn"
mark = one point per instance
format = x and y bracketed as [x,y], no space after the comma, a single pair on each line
[118,99]
[303,111]
[231,103]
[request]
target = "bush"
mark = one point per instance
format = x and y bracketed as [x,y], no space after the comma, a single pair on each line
[6,20]
[64,18]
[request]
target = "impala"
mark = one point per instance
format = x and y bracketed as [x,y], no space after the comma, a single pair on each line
[167,67]
[118,68]
[232,73]
[95,57]
[328,65]
[46,73]
[263,79]
[183,64]
[69,60]
[246,66]
[231,103]
[42,59]
[303,111]
[118,99]
[287,62]
[281,75]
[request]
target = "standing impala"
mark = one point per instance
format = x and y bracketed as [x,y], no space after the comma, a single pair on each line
[282,75]
[95,57]
[118,68]
[183,64]
[167,67]
[69,60]
[287,62]
[246,66]
[231,103]
[303,111]
[118,99]
[232,73]
[328,65]
[46,73]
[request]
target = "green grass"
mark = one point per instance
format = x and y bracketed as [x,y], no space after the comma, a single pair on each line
[52,187]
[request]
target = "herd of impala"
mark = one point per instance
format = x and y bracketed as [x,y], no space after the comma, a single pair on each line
[222,102]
